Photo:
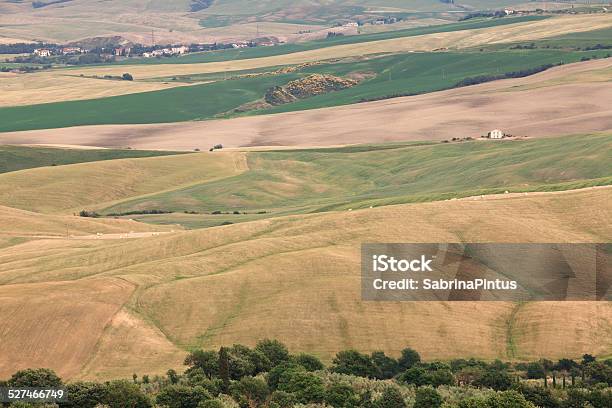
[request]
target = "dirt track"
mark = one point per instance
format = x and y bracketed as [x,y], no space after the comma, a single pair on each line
[569,99]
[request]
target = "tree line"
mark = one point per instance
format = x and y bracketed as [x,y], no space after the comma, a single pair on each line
[268,376]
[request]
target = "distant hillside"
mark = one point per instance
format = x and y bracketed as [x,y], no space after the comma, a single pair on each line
[179,20]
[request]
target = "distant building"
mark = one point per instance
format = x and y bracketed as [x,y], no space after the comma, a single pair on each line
[496,134]
[123,51]
[72,50]
[240,45]
[42,52]
[180,50]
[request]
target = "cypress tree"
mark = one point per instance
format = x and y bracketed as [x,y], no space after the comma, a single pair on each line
[224,373]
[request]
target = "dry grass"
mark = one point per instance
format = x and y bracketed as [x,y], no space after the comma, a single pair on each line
[568,99]
[20,223]
[296,279]
[53,86]
[68,189]
[57,323]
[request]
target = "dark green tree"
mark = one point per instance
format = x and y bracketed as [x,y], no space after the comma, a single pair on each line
[418,376]
[224,370]
[282,399]
[408,358]
[274,350]
[387,367]
[306,387]
[181,396]
[207,361]
[172,376]
[84,395]
[309,362]
[341,396]
[498,380]
[354,363]
[251,391]
[38,377]
[124,394]
[391,398]
[427,397]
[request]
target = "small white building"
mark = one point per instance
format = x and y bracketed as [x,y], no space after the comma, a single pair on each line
[42,52]
[496,134]
[180,50]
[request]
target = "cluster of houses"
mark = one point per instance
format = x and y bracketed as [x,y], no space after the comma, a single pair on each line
[179,50]
[47,52]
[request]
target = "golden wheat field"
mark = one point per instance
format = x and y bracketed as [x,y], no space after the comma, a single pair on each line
[137,305]
[69,189]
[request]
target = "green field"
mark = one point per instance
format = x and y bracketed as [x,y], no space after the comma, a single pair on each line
[304,181]
[14,158]
[573,41]
[410,73]
[259,52]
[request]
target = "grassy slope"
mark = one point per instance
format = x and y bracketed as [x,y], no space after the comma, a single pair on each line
[13,158]
[74,187]
[311,180]
[291,278]
[404,73]
[316,180]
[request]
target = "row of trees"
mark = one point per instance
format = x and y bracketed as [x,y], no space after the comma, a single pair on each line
[269,376]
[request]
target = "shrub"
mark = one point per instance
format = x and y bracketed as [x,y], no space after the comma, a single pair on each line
[306,386]
[309,362]
[181,396]
[127,77]
[84,395]
[539,396]
[341,396]
[211,403]
[427,398]
[390,398]
[416,375]
[508,399]
[124,394]
[250,390]
[88,214]
[496,379]
[281,399]
[354,363]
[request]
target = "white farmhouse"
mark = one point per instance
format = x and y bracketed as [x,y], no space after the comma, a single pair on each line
[180,50]
[496,134]
[42,52]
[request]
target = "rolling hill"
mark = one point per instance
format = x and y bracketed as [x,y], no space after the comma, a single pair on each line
[567,99]
[199,20]
[290,278]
